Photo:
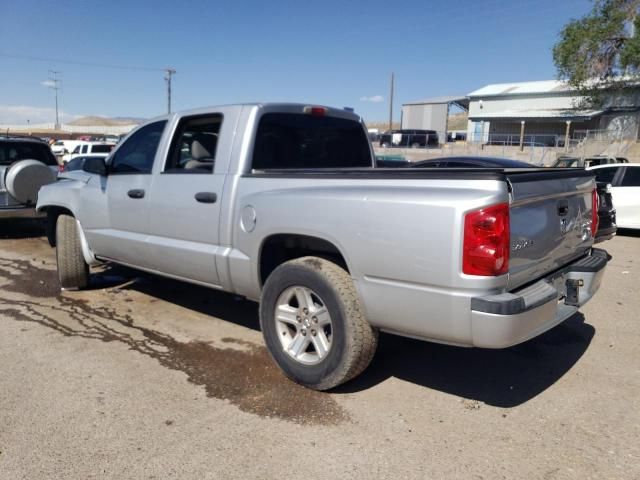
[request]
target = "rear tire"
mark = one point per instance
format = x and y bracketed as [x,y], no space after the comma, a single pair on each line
[73,271]
[349,340]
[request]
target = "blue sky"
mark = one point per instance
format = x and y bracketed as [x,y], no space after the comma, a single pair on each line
[338,53]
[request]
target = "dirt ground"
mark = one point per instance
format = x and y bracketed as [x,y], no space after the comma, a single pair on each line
[146,378]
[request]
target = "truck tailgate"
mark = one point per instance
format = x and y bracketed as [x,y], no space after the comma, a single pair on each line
[550,221]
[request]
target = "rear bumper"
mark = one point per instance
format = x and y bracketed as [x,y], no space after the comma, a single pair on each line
[506,319]
[22,212]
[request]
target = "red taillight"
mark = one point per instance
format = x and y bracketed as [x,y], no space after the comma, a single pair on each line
[485,249]
[594,212]
[315,111]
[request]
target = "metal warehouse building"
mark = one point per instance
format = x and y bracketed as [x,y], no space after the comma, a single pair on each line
[431,114]
[545,112]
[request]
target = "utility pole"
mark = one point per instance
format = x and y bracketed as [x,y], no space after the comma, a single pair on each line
[391,104]
[167,76]
[54,84]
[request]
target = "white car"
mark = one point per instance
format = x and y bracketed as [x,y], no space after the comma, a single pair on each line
[88,148]
[59,148]
[625,191]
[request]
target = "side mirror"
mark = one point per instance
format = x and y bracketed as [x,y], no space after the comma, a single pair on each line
[95,165]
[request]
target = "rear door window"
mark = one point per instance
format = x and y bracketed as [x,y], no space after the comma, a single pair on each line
[605,175]
[291,141]
[631,177]
[101,148]
[194,146]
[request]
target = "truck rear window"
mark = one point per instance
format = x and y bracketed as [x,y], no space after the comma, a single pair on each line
[13,151]
[291,140]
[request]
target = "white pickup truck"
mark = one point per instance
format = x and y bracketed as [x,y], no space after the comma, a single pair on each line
[279,203]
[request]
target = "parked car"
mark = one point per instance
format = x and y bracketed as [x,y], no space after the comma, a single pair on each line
[88,148]
[579,162]
[624,179]
[25,165]
[59,148]
[279,203]
[409,138]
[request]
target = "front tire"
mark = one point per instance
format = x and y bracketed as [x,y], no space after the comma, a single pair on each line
[73,271]
[313,324]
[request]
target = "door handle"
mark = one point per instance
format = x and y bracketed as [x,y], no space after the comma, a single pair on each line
[206,197]
[136,193]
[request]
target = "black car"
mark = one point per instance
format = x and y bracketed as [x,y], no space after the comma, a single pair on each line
[412,138]
[606,213]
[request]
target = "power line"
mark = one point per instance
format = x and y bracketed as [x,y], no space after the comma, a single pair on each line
[34,58]
[54,82]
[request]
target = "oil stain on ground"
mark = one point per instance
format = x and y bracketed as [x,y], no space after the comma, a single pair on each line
[245,377]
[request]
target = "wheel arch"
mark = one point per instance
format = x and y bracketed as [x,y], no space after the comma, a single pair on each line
[282,247]
[53,212]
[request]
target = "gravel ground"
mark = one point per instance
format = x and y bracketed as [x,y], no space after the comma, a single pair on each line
[143,377]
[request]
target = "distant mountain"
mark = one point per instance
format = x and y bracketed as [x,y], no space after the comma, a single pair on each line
[93,120]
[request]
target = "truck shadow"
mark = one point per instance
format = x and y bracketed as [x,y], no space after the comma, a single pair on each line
[501,378]
[19,228]
[628,232]
[203,300]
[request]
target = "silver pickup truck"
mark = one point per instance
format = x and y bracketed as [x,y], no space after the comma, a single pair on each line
[279,203]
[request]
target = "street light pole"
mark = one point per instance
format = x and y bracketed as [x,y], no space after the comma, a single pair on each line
[168,73]
[54,84]
[391,103]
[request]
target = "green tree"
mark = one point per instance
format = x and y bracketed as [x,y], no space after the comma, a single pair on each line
[601,51]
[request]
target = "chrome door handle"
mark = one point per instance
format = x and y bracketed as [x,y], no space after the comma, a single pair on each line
[206,197]
[136,193]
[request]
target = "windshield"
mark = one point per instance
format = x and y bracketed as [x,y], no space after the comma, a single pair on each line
[567,162]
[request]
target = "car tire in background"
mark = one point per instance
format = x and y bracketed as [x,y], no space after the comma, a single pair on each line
[24,179]
[314,325]
[73,271]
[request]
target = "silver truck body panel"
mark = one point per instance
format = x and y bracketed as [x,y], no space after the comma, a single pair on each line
[401,238]
[549,240]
